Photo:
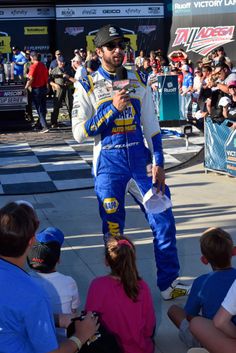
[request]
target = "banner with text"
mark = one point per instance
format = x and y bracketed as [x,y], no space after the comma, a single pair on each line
[220,147]
[201,26]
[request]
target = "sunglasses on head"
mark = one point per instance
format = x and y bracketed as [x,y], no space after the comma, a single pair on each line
[112,45]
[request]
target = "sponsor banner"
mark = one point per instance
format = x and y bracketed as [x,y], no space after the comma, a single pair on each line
[168,97]
[12,96]
[35,30]
[147,29]
[74,31]
[220,147]
[5,44]
[203,40]
[230,153]
[23,13]
[151,10]
[189,8]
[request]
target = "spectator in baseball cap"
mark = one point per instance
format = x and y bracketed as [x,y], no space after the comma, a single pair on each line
[54,63]
[50,234]
[45,254]
[43,257]
[83,54]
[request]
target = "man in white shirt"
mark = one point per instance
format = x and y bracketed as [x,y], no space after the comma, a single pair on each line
[80,72]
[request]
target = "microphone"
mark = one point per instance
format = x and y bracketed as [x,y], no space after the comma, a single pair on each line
[122,81]
[121,73]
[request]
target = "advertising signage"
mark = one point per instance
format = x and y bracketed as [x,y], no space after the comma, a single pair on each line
[142,23]
[69,26]
[202,26]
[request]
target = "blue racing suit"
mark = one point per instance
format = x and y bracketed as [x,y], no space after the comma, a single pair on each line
[121,155]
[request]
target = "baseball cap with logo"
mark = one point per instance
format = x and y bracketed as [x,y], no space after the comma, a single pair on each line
[43,257]
[50,234]
[107,34]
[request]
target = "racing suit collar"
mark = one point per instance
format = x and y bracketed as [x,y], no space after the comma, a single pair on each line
[106,74]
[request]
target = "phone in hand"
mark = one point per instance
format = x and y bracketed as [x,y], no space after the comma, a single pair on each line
[229,124]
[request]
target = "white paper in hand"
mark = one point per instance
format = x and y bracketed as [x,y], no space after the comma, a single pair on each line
[156,203]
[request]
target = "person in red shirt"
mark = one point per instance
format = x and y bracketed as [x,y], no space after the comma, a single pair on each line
[38,80]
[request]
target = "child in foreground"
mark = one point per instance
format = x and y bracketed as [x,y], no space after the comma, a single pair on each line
[208,290]
[26,321]
[123,300]
[62,291]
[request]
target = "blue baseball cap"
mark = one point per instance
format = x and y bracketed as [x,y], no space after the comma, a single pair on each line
[50,234]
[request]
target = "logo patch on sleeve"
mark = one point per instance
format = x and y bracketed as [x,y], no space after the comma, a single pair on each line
[110,205]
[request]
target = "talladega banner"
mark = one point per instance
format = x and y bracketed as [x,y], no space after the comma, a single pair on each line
[201,26]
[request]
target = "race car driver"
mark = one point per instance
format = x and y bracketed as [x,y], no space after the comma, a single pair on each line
[120,154]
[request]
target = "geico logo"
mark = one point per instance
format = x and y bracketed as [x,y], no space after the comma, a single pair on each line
[170,90]
[111,11]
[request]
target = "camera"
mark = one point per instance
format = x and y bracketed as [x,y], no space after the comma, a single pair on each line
[71,328]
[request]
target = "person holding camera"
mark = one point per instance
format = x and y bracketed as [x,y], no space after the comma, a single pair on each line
[61,79]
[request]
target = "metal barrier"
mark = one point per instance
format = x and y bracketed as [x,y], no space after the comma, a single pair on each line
[220,148]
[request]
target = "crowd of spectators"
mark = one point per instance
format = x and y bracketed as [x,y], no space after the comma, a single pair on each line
[201,85]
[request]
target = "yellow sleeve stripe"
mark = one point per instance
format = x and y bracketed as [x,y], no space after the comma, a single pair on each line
[91,85]
[85,132]
[102,101]
[156,133]
[104,118]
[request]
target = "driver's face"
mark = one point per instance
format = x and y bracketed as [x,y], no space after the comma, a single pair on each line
[112,54]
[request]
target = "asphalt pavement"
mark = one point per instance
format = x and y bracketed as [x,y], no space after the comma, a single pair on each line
[32,163]
[200,201]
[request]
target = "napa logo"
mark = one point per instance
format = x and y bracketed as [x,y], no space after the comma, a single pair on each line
[126,117]
[110,205]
